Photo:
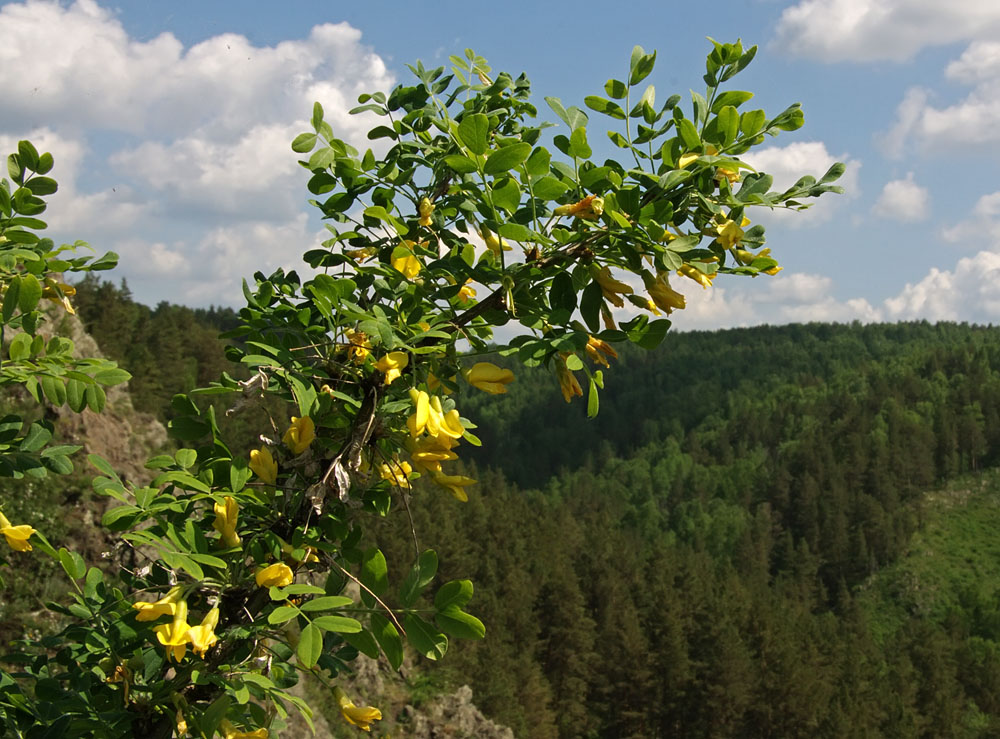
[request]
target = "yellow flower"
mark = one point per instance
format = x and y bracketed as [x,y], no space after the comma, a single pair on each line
[466,293]
[360,716]
[278,575]
[686,270]
[425,207]
[454,484]
[447,424]
[165,606]
[433,383]
[405,261]
[360,254]
[567,381]
[392,364]
[174,636]
[263,465]
[16,536]
[288,552]
[359,346]
[396,472]
[588,209]
[231,732]
[494,243]
[728,172]
[729,234]
[598,350]
[609,285]
[686,159]
[59,292]
[202,637]
[663,295]
[429,452]
[226,514]
[300,434]
[488,377]
[121,674]
[421,413]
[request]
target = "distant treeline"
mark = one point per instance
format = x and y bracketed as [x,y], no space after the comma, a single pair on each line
[693,561]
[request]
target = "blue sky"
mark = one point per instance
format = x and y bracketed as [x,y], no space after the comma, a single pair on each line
[170,125]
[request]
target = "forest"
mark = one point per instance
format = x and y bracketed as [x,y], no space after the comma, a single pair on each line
[776,532]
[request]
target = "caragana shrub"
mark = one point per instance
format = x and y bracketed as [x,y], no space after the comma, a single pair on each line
[471,221]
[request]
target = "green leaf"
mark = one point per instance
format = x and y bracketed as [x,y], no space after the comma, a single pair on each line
[730,97]
[474,132]
[72,563]
[418,578]
[37,437]
[507,195]
[310,646]
[186,457]
[28,154]
[120,518]
[388,638]
[615,89]
[10,298]
[96,398]
[20,347]
[327,603]
[641,65]
[339,624]
[281,614]
[364,642]
[457,623]
[460,163]
[562,293]
[112,376]
[505,159]
[304,143]
[548,188]
[578,146]
[42,185]
[590,306]
[538,163]
[729,124]
[30,293]
[455,593]
[423,637]
[593,400]
[604,106]
[374,575]
[689,134]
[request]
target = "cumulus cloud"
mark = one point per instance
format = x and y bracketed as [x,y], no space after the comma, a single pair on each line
[973,121]
[202,187]
[968,292]
[788,163]
[903,200]
[784,298]
[871,30]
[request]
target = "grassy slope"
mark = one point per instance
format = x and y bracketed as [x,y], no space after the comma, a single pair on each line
[956,553]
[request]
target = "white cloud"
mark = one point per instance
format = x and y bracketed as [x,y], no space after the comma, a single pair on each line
[869,30]
[973,121]
[787,163]
[982,228]
[968,292]
[784,298]
[203,187]
[903,200]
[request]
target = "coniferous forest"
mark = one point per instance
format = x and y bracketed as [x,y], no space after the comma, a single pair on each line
[771,532]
